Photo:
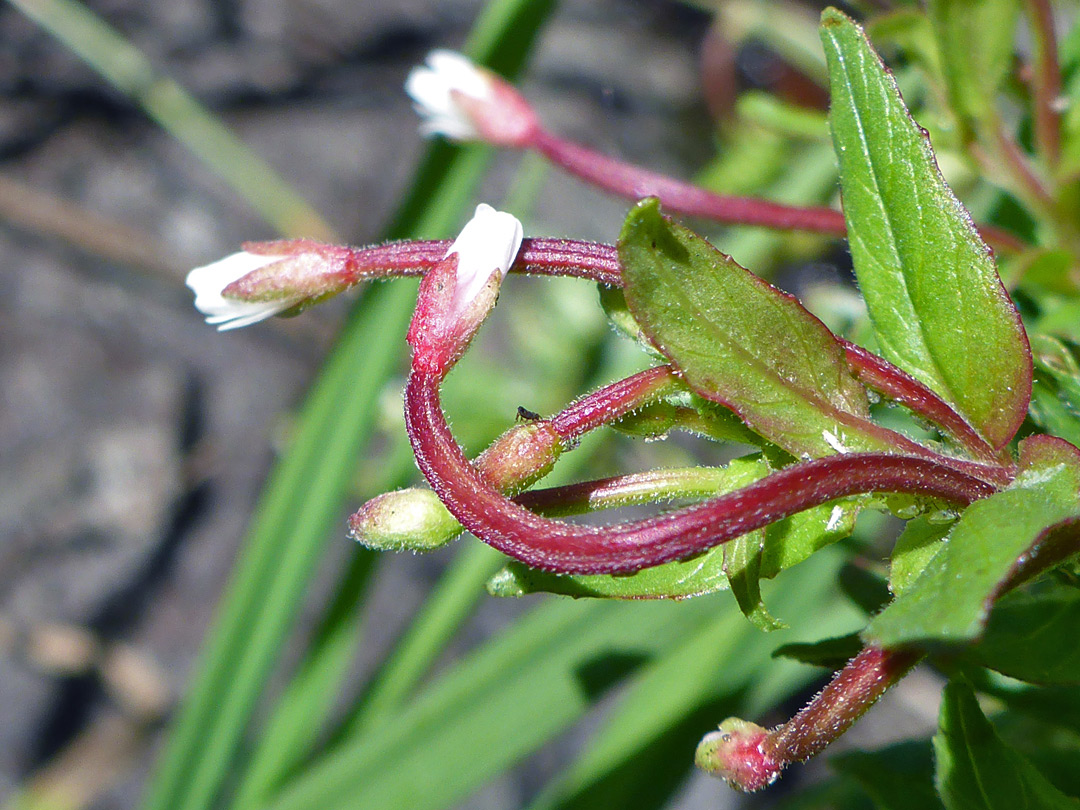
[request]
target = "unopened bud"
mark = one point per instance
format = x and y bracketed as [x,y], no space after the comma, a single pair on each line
[735,753]
[268,278]
[405,520]
[521,457]
[457,294]
[464,102]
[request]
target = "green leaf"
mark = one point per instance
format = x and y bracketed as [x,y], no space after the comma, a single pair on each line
[792,540]
[740,341]
[742,565]
[937,306]
[1064,320]
[675,580]
[613,302]
[974,75]
[951,600]
[976,770]
[914,548]
[1057,706]
[1031,636]
[898,777]
[911,31]
[831,653]
[687,411]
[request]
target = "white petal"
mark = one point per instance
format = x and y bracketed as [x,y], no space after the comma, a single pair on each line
[208,281]
[431,86]
[487,245]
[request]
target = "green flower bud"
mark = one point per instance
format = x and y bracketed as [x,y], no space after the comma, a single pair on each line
[404,520]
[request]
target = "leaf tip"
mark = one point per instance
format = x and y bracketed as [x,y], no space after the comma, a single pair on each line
[832,17]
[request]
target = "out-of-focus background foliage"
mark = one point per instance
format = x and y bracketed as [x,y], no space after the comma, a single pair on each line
[135,440]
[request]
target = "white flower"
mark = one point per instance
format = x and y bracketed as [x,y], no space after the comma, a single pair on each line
[487,245]
[208,281]
[432,91]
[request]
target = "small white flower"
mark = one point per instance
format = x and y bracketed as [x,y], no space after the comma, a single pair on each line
[208,281]
[431,89]
[487,245]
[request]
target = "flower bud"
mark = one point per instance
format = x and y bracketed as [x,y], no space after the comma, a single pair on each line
[735,753]
[521,457]
[268,278]
[464,102]
[458,292]
[405,520]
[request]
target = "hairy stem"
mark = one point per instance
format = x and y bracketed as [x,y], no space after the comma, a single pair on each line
[882,376]
[600,263]
[624,490]
[634,182]
[852,691]
[569,548]
[750,757]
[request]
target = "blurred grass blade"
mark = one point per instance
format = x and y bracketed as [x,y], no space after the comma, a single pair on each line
[496,706]
[179,113]
[721,669]
[438,620]
[302,709]
[301,503]
[300,714]
[293,521]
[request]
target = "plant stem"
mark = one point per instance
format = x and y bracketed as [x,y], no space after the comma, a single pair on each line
[568,548]
[750,757]
[1047,82]
[679,196]
[624,490]
[881,376]
[600,263]
[853,690]
[687,199]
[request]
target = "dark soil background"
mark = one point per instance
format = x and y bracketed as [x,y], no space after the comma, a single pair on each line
[134,439]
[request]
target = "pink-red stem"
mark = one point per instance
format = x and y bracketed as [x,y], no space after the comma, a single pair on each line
[852,691]
[882,376]
[600,263]
[1047,81]
[570,548]
[635,182]
[685,198]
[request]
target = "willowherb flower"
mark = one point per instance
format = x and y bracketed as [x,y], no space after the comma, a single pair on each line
[464,102]
[268,278]
[209,281]
[458,292]
[486,246]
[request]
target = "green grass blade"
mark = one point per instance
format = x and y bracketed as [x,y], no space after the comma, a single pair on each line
[301,504]
[438,620]
[496,706]
[130,71]
[301,710]
[293,521]
[643,750]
